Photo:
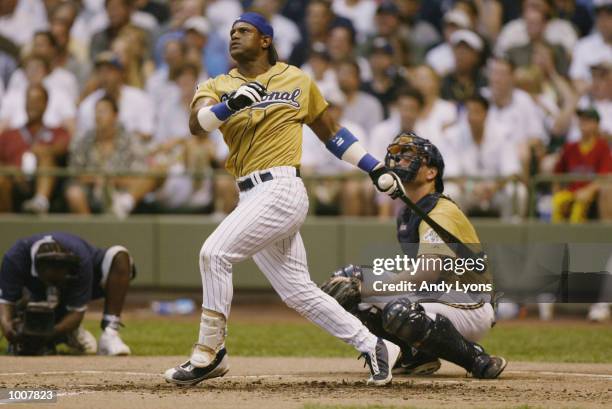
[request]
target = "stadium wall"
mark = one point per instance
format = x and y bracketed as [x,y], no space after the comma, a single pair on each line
[166,247]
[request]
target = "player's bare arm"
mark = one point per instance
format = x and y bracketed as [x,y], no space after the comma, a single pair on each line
[70,322]
[6,321]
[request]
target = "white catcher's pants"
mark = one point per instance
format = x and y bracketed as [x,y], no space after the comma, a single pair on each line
[265,225]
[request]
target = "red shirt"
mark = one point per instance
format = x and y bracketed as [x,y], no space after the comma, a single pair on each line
[15,142]
[597,160]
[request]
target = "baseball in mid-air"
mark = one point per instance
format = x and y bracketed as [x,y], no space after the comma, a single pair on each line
[386,181]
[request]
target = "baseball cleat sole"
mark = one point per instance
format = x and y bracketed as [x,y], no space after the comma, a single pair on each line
[188,375]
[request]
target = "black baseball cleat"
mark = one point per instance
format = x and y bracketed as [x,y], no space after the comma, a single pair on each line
[380,361]
[488,367]
[187,374]
[416,364]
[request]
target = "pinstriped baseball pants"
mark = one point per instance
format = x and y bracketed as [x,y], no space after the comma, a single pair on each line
[265,225]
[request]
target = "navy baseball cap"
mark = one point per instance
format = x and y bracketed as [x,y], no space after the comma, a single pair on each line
[257,20]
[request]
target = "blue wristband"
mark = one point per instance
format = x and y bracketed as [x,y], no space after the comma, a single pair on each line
[222,111]
[368,163]
[340,142]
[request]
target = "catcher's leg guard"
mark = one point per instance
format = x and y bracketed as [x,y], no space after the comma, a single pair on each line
[409,322]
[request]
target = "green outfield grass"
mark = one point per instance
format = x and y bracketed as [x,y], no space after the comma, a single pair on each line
[528,342]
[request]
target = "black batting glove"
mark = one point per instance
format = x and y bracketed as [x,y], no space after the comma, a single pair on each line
[246,95]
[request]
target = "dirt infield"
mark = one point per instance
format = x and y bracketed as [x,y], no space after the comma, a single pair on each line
[136,382]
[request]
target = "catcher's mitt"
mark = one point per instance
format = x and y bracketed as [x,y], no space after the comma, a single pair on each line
[345,290]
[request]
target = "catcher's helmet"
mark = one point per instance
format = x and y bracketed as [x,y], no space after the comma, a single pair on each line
[416,151]
[52,254]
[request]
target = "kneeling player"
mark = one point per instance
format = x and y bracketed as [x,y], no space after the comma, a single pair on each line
[427,325]
[61,273]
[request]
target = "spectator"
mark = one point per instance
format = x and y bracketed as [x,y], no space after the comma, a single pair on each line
[132,50]
[404,117]
[20,19]
[410,103]
[552,94]
[386,80]
[157,9]
[197,31]
[467,78]
[418,33]
[514,109]
[71,54]
[9,57]
[577,13]
[522,55]
[319,67]
[136,111]
[590,155]
[286,32]
[32,146]
[557,31]
[360,12]
[60,110]
[119,14]
[333,196]
[441,57]
[318,21]
[486,152]
[178,151]
[161,79]
[388,25]
[341,47]
[45,47]
[436,115]
[594,48]
[108,147]
[358,103]
[599,96]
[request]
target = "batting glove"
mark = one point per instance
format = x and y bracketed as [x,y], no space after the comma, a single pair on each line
[246,95]
[387,182]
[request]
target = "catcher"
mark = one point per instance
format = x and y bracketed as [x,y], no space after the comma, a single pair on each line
[427,325]
[46,282]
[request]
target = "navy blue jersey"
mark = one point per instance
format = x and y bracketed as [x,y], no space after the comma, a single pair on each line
[18,270]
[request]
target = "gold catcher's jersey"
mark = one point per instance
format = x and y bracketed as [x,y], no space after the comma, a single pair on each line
[448,215]
[268,133]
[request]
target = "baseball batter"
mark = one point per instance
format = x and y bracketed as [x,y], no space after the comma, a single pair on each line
[260,108]
[428,325]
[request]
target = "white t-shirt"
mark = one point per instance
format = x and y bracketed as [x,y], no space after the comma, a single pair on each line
[521,115]
[364,110]
[222,14]
[441,59]
[382,135]
[318,159]
[328,84]
[496,156]
[361,15]
[557,31]
[286,35]
[60,108]
[28,17]
[442,116]
[136,112]
[589,51]
[59,78]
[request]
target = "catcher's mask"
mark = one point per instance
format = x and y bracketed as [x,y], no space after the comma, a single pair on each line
[52,256]
[415,151]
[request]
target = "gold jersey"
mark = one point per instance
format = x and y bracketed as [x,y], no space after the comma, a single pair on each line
[268,133]
[448,215]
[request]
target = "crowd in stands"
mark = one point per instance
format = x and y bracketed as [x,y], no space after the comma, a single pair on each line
[509,90]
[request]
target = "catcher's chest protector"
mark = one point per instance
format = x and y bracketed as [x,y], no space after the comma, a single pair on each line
[408,224]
